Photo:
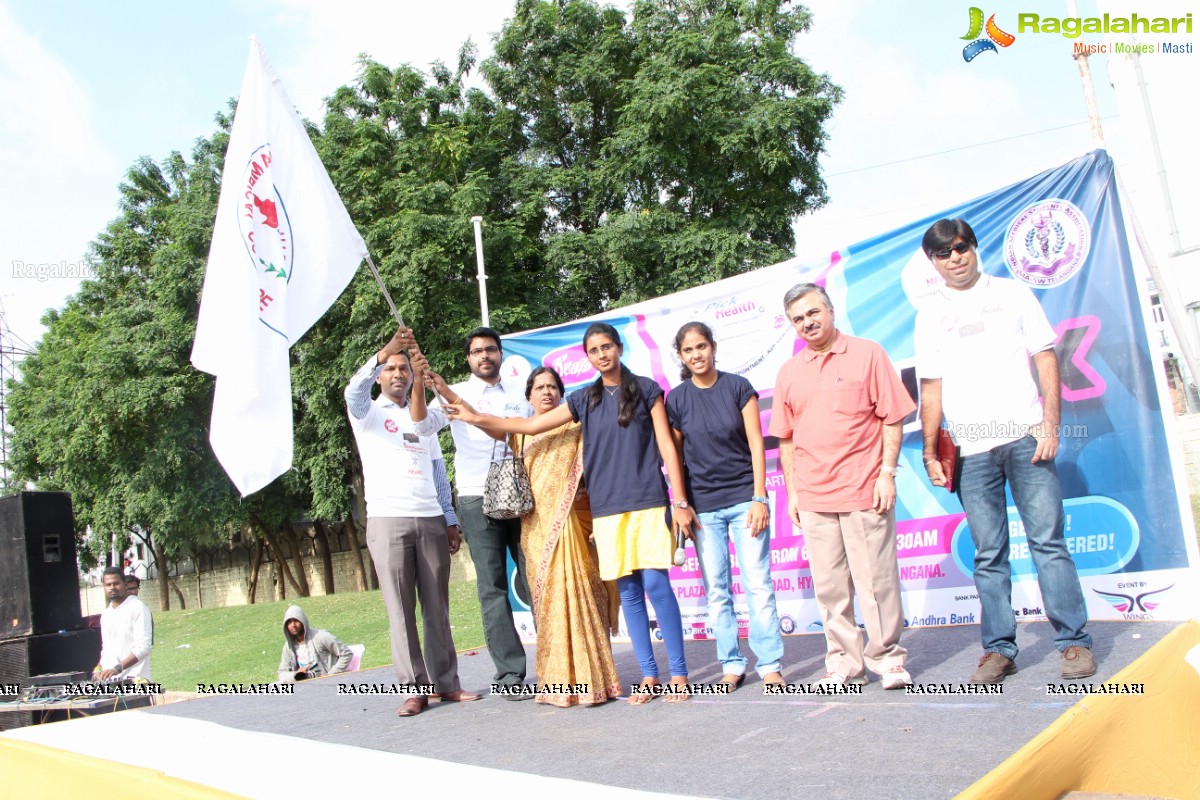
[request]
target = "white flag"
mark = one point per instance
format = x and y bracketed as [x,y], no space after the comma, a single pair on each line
[283,249]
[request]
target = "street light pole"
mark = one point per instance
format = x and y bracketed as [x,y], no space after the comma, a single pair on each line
[480,275]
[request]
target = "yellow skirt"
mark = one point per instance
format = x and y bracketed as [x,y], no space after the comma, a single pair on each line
[633,540]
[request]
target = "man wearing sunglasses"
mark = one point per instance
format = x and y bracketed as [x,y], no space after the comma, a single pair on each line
[489,539]
[974,339]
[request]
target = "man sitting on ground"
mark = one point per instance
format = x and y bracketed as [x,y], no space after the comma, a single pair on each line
[309,652]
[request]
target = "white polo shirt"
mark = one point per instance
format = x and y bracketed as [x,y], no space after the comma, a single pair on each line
[398,461]
[979,343]
[123,630]
[473,448]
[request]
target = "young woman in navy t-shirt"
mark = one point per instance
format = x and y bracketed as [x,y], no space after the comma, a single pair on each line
[714,417]
[626,438]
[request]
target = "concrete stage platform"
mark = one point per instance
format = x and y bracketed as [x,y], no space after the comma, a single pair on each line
[881,744]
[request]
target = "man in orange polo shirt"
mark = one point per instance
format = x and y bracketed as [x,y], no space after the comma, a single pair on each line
[838,410]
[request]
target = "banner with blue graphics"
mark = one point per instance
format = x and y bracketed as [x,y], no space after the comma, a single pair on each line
[1061,233]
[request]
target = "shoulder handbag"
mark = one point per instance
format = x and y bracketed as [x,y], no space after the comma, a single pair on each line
[506,492]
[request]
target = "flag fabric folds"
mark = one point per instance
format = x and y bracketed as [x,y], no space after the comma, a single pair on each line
[283,249]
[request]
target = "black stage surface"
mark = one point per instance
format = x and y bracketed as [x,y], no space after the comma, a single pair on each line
[886,745]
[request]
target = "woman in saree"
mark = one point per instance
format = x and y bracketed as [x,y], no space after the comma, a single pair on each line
[626,440]
[575,611]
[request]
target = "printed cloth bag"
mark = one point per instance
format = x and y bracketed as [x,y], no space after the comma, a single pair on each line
[506,492]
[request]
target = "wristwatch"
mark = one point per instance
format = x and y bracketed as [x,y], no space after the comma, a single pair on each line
[680,504]
[762,500]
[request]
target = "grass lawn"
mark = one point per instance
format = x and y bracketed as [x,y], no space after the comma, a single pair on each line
[242,644]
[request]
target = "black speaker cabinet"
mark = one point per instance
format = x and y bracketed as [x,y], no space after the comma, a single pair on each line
[39,579]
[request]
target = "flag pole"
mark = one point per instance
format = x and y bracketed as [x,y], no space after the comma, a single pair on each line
[480,276]
[383,289]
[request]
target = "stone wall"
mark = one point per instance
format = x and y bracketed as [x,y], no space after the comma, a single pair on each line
[231,587]
[1188,426]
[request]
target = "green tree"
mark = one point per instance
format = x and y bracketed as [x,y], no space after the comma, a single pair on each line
[108,407]
[675,148]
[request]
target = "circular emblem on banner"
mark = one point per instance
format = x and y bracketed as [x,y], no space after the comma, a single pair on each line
[267,234]
[786,624]
[1047,243]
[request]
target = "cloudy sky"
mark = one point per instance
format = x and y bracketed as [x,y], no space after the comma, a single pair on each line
[87,88]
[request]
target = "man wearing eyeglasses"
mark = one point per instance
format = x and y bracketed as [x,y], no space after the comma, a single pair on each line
[489,539]
[974,339]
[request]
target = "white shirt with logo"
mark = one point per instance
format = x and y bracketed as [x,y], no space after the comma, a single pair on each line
[474,450]
[397,460]
[979,343]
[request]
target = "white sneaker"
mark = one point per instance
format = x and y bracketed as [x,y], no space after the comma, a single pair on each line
[896,678]
[838,679]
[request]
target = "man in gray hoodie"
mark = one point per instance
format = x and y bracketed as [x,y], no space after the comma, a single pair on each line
[309,652]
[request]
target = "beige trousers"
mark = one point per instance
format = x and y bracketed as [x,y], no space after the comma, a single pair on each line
[855,552]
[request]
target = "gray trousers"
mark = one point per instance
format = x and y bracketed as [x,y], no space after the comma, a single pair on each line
[412,560]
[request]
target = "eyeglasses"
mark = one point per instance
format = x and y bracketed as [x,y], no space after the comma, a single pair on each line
[603,348]
[491,350]
[958,247]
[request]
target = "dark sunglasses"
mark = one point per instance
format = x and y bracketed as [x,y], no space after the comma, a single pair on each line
[958,247]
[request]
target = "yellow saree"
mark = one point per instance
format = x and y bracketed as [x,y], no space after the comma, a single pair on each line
[573,608]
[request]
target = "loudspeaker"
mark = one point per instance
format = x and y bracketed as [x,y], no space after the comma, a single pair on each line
[21,658]
[39,579]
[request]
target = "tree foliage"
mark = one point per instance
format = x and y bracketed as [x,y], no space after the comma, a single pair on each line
[108,407]
[612,157]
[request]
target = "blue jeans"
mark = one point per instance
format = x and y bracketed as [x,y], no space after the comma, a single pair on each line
[657,583]
[1038,498]
[717,528]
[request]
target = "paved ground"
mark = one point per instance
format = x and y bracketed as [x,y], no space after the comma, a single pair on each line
[883,745]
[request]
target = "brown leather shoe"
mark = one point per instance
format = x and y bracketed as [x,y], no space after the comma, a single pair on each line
[1077,662]
[993,668]
[457,696]
[413,706]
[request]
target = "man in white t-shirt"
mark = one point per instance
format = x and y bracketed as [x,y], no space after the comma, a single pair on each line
[974,339]
[411,526]
[125,632]
[489,539]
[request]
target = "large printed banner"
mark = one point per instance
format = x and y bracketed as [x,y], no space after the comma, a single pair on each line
[1061,233]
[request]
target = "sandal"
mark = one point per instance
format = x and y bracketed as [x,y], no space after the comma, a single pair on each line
[649,689]
[678,690]
[773,679]
[732,681]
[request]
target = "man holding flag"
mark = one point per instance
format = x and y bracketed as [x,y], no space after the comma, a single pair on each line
[411,527]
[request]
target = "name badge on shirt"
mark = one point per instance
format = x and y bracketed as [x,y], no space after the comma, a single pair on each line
[970,329]
[412,438]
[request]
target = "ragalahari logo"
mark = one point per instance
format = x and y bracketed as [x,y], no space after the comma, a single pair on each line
[979,44]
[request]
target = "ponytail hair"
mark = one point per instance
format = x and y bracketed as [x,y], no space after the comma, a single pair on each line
[631,395]
[698,327]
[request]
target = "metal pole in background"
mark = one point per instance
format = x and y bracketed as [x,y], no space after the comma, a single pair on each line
[480,275]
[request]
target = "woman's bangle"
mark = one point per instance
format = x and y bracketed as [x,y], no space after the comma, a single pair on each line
[929,461]
[762,500]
